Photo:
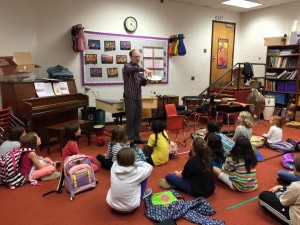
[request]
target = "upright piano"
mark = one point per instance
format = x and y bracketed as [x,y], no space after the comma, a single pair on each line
[39,112]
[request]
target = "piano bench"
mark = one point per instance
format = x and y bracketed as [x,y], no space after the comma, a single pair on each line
[57,131]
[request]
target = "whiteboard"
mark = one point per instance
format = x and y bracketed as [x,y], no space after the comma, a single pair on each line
[103,61]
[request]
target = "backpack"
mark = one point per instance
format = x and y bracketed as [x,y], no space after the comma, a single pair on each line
[77,175]
[247,71]
[226,141]
[79,41]
[9,167]
[288,160]
[282,146]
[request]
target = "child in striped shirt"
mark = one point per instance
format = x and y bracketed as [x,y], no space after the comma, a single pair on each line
[238,171]
[118,141]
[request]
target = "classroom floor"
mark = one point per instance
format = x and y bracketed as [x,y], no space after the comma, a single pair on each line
[26,205]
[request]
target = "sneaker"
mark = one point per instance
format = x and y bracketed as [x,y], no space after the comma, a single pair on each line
[52,176]
[147,193]
[57,164]
[164,183]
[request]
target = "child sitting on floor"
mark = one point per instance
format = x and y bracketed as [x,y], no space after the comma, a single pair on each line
[118,141]
[282,203]
[70,148]
[213,127]
[128,182]
[238,171]
[13,139]
[33,166]
[285,177]
[197,178]
[244,128]
[214,142]
[275,132]
[158,146]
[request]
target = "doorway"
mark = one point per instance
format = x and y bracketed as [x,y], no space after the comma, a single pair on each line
[222,50]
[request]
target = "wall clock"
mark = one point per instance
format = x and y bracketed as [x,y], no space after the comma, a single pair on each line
[130,24]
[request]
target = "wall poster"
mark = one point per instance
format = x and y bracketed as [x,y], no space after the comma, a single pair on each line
[103,61]
[222,53]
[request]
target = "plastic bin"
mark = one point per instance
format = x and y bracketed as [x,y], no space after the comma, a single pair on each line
[95,116]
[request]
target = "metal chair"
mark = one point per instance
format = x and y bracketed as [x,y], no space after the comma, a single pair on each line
[175,122]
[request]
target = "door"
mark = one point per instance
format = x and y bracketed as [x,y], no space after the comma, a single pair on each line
[222,49]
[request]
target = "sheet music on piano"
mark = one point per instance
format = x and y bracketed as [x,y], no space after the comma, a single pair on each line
[64,88]
[43,89]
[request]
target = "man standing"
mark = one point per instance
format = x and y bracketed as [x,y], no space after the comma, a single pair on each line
[134,79]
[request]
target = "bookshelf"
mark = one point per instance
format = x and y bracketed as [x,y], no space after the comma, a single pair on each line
[282,75]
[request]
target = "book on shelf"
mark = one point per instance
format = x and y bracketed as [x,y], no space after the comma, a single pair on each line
[284,52]
[281,74]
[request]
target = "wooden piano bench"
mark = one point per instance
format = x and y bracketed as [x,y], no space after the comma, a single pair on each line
[58,131]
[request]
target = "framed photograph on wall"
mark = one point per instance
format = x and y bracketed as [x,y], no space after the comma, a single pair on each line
[107,59]
[94,44]
[109,45]
[121,59]
[96,72]
[90,58]
[112,72]
[125,45]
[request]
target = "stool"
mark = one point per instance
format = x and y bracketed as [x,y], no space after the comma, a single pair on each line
[58,130]
[118,117]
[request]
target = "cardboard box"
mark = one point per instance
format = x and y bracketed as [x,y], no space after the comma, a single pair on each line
[21,62]
[271,41]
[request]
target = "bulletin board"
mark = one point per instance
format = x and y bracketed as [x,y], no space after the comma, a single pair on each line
[103,61]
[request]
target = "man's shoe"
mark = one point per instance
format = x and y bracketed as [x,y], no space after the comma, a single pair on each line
[147,193]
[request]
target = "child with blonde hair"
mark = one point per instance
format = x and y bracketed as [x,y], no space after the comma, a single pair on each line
[275,132]
[244,128]
[118,141]
[128,182]
[70,148]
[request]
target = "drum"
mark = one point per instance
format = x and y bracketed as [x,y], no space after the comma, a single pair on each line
[269,107]
[192,103]
[99,131]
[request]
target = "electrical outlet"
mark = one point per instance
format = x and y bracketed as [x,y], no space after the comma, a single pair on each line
[192,78]
[204,50]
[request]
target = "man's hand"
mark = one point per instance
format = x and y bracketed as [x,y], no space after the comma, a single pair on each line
[148,72]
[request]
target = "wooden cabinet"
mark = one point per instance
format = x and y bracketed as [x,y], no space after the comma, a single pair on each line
[282,73]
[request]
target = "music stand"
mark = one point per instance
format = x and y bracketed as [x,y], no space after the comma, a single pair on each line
[200,109]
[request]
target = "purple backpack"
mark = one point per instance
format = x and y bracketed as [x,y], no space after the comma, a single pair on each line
[288,161]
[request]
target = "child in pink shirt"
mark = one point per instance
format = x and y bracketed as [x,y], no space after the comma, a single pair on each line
[70,148]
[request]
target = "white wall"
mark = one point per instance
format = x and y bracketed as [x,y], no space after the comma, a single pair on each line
[43,28]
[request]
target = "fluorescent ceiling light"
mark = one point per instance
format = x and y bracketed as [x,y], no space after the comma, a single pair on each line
[241,3]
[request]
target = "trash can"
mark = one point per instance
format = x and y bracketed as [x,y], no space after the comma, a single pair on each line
[95,116]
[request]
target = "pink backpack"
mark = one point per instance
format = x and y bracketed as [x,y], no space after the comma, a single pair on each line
[79,41]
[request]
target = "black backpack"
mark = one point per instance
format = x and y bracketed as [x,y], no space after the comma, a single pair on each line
[247,71]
